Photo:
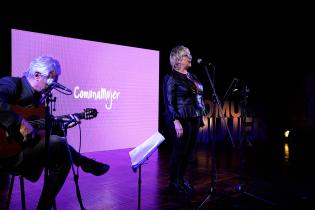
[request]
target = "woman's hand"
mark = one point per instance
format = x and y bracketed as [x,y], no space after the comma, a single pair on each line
[178,128]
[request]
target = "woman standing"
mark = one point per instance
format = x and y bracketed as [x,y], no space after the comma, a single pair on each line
[184,110]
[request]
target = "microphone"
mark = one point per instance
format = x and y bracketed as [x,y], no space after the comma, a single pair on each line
[200,61]
[236,80]
[54,84]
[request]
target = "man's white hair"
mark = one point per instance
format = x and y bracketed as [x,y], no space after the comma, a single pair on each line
[43,65]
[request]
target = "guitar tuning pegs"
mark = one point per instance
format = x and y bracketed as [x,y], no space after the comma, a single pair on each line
[90,113]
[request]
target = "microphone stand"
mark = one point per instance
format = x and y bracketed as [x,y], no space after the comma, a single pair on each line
[213,159]
[48,128]
[64,126]
[47,97]
[218,102]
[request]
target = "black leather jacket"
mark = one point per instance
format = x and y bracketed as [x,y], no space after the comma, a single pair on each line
[183,96]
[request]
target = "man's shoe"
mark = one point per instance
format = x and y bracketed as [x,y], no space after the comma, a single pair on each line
[92,166]
[188,187]
[176,187]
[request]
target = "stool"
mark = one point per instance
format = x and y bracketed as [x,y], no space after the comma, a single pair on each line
[21,189]
[13,175]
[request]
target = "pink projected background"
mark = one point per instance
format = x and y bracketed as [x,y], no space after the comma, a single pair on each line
[128,75]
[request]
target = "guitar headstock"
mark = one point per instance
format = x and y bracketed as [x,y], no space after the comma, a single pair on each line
[89,113]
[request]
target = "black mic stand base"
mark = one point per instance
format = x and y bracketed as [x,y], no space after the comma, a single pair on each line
[240,189]
[208,198]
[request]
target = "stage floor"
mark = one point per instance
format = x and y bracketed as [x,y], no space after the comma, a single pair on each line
[270,180]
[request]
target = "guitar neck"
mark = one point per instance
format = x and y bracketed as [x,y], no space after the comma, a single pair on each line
[36,115]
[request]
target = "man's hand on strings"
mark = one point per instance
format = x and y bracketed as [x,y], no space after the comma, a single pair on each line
[30,135]
[25,128]
[74,121]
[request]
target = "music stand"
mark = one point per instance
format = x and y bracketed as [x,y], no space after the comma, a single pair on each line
[142,153]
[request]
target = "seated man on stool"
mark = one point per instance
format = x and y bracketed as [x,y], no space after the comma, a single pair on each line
[30,161]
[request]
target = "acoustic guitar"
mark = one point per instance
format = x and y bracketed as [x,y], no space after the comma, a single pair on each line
[10,146]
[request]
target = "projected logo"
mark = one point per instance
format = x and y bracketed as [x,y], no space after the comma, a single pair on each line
[99,79]
[102,94]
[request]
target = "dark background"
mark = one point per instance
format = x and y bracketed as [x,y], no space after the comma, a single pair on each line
[270,48]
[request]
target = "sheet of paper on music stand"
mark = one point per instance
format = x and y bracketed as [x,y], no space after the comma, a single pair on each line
[143,151]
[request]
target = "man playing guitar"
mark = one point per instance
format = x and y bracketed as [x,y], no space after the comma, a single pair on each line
[23,148]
